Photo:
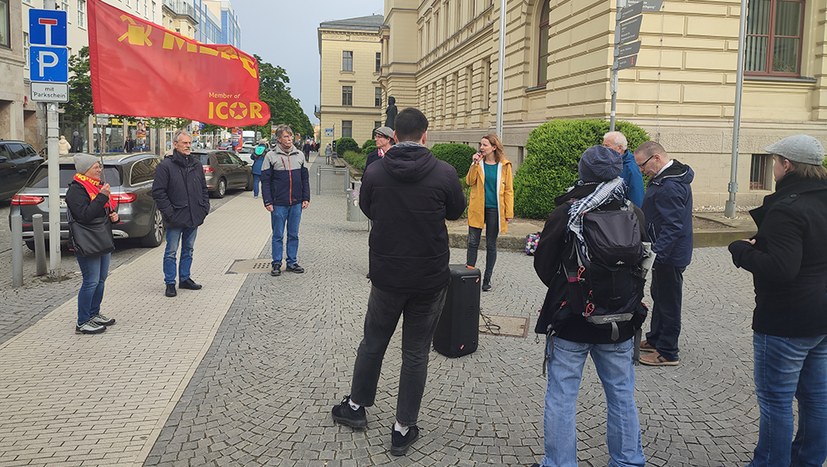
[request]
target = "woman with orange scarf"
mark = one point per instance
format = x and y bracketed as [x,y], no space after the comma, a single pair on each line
[89,199]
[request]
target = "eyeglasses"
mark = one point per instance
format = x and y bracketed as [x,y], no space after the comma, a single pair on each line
[646,161]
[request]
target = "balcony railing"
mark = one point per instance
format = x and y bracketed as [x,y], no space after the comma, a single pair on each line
[181,8]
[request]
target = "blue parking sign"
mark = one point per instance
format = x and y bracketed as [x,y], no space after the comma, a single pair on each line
[47,27]
[49,64]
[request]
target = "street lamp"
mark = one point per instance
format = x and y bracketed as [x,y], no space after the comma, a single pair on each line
[501,70]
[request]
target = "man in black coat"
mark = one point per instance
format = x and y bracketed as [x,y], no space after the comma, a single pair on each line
[407,194]
[77,142]
[180,192]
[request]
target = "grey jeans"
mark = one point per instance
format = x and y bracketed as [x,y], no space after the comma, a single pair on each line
[421,314]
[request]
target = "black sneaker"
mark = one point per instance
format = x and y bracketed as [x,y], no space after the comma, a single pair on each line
[399,443]
[189,284]
[102,320]
[345,415]
[276,271]
[295,268]
[89,328]
[486,286]
[170,292]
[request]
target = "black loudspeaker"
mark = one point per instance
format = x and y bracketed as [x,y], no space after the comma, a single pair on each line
[458,330]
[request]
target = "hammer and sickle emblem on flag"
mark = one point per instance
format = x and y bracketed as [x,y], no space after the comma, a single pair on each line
[238,110]
[135,34]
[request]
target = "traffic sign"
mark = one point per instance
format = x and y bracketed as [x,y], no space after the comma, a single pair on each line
[50,92]
[49,64]
[630,11]
[628,49]
[626,62]
[630,30]
[651,5]
[47,27]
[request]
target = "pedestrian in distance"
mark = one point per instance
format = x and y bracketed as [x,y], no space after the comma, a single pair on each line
[258,159]
[788,262]
[328,154]
[383,136]
[571,336]
[180,193]
[88,200]
[63,146]
[616,141]
[285,183]
[408,194]
[306,150]
[667,206]
[491,203]
[77,142]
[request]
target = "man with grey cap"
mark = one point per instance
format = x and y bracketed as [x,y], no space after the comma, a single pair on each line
[667,205]
[788,261]
[384,140]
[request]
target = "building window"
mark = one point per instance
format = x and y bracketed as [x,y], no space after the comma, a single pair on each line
[154,7]
[82,13]
[542,46]
[759,172]
[26,48]
[377,124]
[378,62]
[377,97]
[774,33]
[347,95]
[347,60]
[347,128]
[5,40]
[64,5]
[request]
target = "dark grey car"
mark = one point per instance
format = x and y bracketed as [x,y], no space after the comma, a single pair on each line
[224,171]
[130,177]
[18,160]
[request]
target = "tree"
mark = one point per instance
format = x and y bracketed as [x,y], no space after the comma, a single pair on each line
[79,107]
[284,108]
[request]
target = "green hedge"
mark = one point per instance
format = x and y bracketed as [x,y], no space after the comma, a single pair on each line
[368,146]
[458,155]
[550,166]
[355,159]
[346,144]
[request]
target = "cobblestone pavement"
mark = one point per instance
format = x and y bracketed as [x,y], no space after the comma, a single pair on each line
[23,306]
[284,354]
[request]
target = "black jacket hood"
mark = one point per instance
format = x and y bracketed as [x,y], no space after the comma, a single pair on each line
[409,162]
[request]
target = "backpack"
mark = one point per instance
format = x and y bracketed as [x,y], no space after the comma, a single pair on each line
[605,285]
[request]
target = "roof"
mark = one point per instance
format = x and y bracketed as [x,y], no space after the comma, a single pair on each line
[362,22]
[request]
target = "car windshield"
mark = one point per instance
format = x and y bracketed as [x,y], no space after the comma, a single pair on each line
[40,179]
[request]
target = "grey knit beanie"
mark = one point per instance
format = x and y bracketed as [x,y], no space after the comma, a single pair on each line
[599,164]
[83,162]
[803,149]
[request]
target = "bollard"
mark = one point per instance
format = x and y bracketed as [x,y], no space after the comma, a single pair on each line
[16,250]
[318,180]
[39,244]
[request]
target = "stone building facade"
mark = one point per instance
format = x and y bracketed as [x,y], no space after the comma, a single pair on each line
[442,56]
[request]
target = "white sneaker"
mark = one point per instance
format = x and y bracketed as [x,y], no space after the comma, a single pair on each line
[102,320]
[90,327]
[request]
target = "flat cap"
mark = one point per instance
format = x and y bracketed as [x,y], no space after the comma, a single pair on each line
[384,131]
[803,149]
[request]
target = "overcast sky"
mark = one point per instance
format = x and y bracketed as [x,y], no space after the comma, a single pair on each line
[284,33]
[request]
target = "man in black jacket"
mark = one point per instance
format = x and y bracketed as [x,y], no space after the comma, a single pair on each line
[407,194]
[180,192]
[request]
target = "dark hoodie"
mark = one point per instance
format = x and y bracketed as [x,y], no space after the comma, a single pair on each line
[408,194]
[667,206]
[180,191]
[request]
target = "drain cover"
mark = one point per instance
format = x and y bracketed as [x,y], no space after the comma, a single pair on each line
[249,266]
[503,325]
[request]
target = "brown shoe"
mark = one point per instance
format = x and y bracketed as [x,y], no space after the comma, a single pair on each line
[645,346]
[656,359]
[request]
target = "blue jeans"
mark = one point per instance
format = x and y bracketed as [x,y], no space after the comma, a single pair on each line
[787,367]
[421,314]
[256,184]
[94,270]
[292,215]
[186,237]
[616,371]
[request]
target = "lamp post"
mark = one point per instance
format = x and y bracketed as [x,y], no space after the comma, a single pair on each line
[501,70]
[729,210]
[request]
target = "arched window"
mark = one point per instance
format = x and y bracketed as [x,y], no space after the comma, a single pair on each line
[542,45]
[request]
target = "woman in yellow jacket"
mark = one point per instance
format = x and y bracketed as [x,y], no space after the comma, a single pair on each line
[491,204]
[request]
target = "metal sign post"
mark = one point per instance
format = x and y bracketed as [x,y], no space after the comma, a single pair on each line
[729,209]
[49,73]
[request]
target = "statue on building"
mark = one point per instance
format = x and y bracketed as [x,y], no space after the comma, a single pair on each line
[391,120]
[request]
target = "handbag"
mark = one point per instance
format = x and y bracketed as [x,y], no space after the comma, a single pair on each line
[91,239]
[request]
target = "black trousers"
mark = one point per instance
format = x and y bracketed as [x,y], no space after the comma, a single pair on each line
[667,295]
[492,230]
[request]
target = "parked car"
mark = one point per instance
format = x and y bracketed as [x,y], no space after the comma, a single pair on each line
[224,171]
[130,177]
[18,160]
[246,154]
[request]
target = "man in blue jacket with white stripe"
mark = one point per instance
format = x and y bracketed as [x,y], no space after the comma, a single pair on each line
[285,188]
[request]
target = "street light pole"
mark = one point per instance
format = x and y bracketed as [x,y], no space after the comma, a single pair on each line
[501,70]
[729,210]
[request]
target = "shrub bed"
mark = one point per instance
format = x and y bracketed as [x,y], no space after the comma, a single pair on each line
[355,159]
[368,146]
[458,155]
[345,144]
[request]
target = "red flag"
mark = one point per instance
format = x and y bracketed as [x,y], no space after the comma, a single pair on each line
[141,69]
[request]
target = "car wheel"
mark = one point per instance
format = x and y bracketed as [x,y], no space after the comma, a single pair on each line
[249,186]
[220,189]
[156,233]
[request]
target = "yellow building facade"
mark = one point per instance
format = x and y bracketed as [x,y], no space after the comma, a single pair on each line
[351,98]
[442,56]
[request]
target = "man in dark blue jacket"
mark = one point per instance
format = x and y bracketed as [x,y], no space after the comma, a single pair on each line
[180,192]
[407,194]
[667,207]
[285,188]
